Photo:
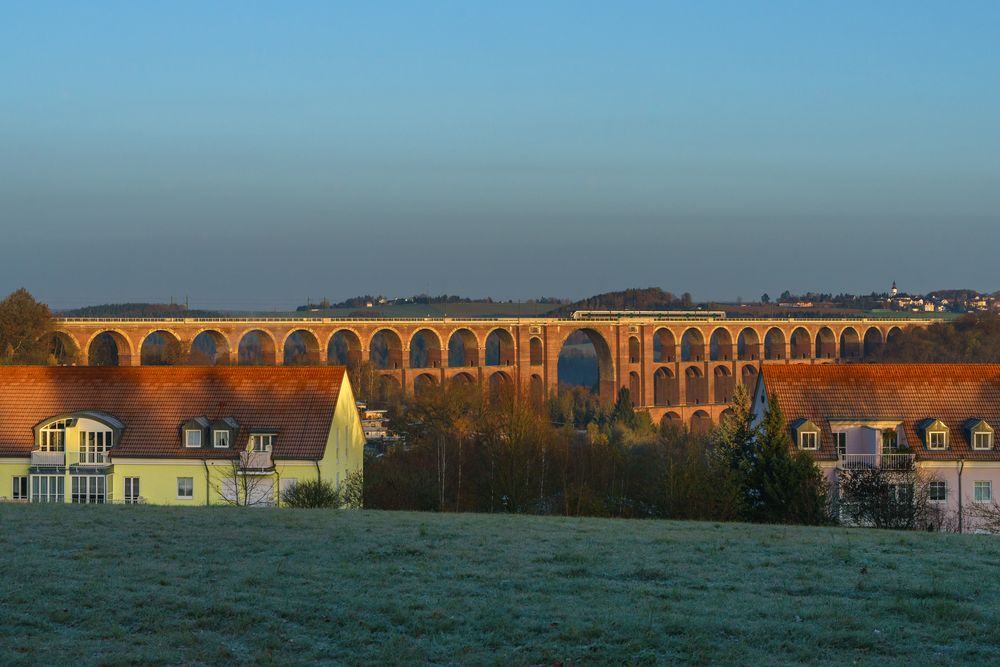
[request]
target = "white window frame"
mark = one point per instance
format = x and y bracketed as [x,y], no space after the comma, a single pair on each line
[52,438]
[94,446]
[937,483]
[930,440]
[987,435]
[89,489]
[19,488]
[814,438]
[191,486]
[187,437]
[262,442]
[47,489]
[982,484]
[840,442]
[215,438]
[131,491]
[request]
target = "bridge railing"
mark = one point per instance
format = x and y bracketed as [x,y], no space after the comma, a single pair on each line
[694,317]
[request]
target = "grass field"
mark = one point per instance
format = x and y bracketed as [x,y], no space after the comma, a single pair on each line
[113,585]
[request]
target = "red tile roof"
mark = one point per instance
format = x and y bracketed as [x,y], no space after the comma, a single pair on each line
[909,392]
[153,402]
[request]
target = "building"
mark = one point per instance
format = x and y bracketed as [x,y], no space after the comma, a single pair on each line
[939,417]
[173,435]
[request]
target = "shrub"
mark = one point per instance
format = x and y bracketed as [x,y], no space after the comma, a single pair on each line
[311,493]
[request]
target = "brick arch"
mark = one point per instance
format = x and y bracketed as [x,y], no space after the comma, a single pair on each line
[666,389]
[223,348]
[355,345]
[394,345]
[774,341]
[431,340]
[469,348]
[606,370]
[269,347]
[693,344]
[666,340]
[65,347]
[701,422]
[872,342]
[121,340]
[507,352]
[172,352]
[850,343]
[720,345]
[724,385]
[749,345]
[536,351]
[801,344]
[311,354]
[826,344]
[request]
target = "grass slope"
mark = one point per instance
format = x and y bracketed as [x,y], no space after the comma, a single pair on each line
[164,585]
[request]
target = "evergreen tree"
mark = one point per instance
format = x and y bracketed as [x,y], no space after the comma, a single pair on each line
[733,439]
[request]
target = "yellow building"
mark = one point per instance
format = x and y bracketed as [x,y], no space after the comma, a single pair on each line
[174,435]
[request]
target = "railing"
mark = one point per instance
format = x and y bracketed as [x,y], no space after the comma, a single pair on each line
[44,458]
[91,458]
[258,461]
[887,461]
[692,315]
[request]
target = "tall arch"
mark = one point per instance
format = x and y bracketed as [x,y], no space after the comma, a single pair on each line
[301,348]
[748,376]
[536,354]
[695,386]
[109,348]
[536,390]
[850,343]
[801,347]
[463,349]
[63,348]
[161,348]
[671,421]
[774,344]
[725,384]
[826,344]
[209,348]
[425,349]
[892,338]
[873,343]
[666,390]
[720,345]
[693,345]
[424,382]
[501,385]
[577,366]
[748,345]
[499,348]
[256,348]
[664,346]
[463,379]
[344,348]
[634,350]
[385,349]
[701,422]
[635,388]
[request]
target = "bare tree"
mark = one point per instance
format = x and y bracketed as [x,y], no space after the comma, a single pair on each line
[896,496]
[244,480]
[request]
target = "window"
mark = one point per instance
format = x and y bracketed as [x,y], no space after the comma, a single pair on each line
[131,490]
[889,438]
[809,440]
[48,488]
[88,489]
[937,440]
[983,491]
[982,440]
[220,439]
[902,493]
[94,446]
[192,438]
[20,488]
[261,442]
[840,440]
[938,491]
[53,437]
[185,488]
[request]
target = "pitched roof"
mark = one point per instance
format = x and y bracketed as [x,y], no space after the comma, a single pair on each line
[911,393]
[152,403]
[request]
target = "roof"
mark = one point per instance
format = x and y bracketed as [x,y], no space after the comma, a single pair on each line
[910,393]
[153,401]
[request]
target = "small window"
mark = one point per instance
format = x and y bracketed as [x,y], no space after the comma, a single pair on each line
[131,490]
[983,491]
[261,442]
[889,438]
[185,488]
[20,488]
[937,440]
[220,439]
[192,438]
[840,440]
[982,440]
[809,440]
[938,491]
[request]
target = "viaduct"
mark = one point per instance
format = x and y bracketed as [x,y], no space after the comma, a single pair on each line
[679,366]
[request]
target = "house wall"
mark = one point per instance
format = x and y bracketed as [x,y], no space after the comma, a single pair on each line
[971,472]
[9,468]
[345,444]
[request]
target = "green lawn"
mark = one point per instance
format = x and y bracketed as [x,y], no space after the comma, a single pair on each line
[159,585]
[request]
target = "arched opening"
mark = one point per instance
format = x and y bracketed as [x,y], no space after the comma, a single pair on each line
[748,345]
[701,422]
[256,348]
[774,344]
[692,345]
[801,344]
[63,349]
[161,348]
[664,346]
[585,360]
[535,353]
[389,389]
[725,384]
[826,344]
[344,349]
[463,349]
[385,350]
[536,390]
[695,386]
[850,344]
[634,350]
[720,345]
[892,338]
[666,391]
[726,414]
[671,421]
[499,348]
[748,376]
[873,343]
[423,382]
[301,349]
[209,348]
[109,348]
[425,350]
[501,385]
[463,380]
[635,388]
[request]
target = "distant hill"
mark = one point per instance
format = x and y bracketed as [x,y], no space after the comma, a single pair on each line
[641,298]
[137,310]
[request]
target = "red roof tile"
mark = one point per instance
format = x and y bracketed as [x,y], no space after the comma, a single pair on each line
[153,402]
[909,392]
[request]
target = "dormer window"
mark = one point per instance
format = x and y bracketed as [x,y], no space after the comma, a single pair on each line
[937,439]
[982,440]
[808,440]
[935,434]
[980,434]
[192,437]
[261,442]
[52,438]
[806,434]
[220,439]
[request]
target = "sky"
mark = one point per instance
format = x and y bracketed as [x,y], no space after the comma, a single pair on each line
[253,155]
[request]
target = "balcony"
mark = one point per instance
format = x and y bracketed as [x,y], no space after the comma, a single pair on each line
[887,461]
[258,461]
[43,458]
[90,458]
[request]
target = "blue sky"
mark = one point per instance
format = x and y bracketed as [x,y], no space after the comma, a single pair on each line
[252,154]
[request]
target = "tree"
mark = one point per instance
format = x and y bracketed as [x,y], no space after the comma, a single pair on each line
[242,481]
[732,440]
[895,496]
[765,298]
[25,325]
